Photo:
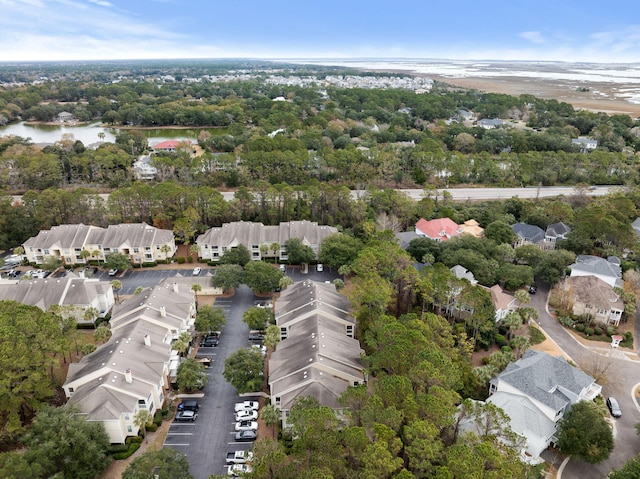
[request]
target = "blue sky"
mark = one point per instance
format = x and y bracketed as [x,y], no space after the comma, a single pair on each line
[559,30]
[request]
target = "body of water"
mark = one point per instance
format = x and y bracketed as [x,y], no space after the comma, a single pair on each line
[88,133]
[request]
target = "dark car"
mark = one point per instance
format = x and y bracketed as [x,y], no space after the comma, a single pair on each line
[533,289]
[186,416]
[189,405]
[208,342]
[246,436]
[614,407]
[13,273]
[256,337]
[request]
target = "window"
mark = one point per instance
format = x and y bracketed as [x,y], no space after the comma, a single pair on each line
[142,404]
[136,250]
[255,246]
[215,255]
[129,429]
[214,246]
[126,417]
[147,248]
[107,250]
[77,250]
[278,401]
[71,390]
[46,251]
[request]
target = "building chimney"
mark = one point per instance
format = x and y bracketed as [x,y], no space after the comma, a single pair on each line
[147,340]
[175,287]
[128,377]
[163,312]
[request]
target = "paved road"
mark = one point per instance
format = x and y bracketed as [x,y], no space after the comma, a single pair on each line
[461,194]
[623,375]
[206,441]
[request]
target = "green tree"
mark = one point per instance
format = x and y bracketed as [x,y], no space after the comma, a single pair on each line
[29,341]
[244,370]
[52,263]
[584,433]
[142,419]
[272,336]
[261,277]
[119,261]
[239,255]
[553,265]
[196,288]
[191,375]
[339,250]
[298,252]
[257,318]
[166,463]
[186,226]
[116,284]
[102,334]
[227,277]
[500,232]
[631,470]
[90,314]
[85,254]
[182,343]
[13,465]
[270,415]
[63,442]
[209,318]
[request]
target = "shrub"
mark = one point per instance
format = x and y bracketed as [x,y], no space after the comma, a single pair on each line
[189,259]
[153,427]
[485,360]
[535,335]
[212,263]
[133,440]
[157,418]
[180,259]
[116,448]
[567,321]
[124,455]
[580,327]
[149,264]
[501,340]
[588,331]
[597,331]
[506,349]
[611,331]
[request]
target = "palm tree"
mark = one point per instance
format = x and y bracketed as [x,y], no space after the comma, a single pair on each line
[138,290]
[196,288]
[182,343]
[96,254]
[102,334]
[116,284]
[90,314]
[101,135]
[84,254]
[264,249]
[275,247]
[142,419]
[194,249]
[166,249]
[270,414]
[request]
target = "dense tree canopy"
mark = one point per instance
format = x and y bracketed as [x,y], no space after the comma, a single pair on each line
[165,463]
[584,433]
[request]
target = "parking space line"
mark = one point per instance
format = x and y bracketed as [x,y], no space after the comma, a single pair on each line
[179,434]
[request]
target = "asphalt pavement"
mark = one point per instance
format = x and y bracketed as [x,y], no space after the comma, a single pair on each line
[622,373]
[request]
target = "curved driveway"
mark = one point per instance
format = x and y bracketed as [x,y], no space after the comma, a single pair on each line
[622,375]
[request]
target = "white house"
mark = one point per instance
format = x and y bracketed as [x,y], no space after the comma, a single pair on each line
[608,270]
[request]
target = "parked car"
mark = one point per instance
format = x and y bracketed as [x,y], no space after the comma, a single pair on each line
[246,436]
[282,268]
[189,405]
[246,405]
[246,426]
[267,305]
[237,470]
[614,407]
[113,271]
[196,271]
[186,416]
[208,342]
[256,337]
[319,268]
[533,289]
[36,273]
[246,415]
[239,457]
[13,273]
[260,347]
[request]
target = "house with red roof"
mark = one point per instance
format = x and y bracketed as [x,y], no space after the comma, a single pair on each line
[169,145]
[440,229]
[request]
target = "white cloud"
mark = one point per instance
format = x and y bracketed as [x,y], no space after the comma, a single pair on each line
[102,3]
[533,36]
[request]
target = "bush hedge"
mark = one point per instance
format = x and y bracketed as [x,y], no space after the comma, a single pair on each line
[535,335]
[501,340]
[580,327]
[180,259]
[133,440]
[157,418]
[124,455]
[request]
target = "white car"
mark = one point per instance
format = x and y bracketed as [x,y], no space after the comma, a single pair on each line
[319,268]
[246,415]
[113,272]
[282,267]
[237,470]
[247,426]
[246,405]
[35,273]
[196,272]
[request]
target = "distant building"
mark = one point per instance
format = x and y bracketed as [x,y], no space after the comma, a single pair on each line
[440,229]
[556,231]
[65,116]
[585,144]
[260,239]
[490,123]
[143,169]
[527,234]
[608,270]
[169,146]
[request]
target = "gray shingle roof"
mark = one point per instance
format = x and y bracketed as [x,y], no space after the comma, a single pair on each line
[557,230]
[63,236]
[542,377]
[527,232]
[525,417]
[597,265]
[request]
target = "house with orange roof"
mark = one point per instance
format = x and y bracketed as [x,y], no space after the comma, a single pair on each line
[169,145]
[472,227]
[440,229]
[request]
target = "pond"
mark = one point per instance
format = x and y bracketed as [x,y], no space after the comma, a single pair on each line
[87,133]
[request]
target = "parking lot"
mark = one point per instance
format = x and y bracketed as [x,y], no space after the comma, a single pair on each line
[206,441]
